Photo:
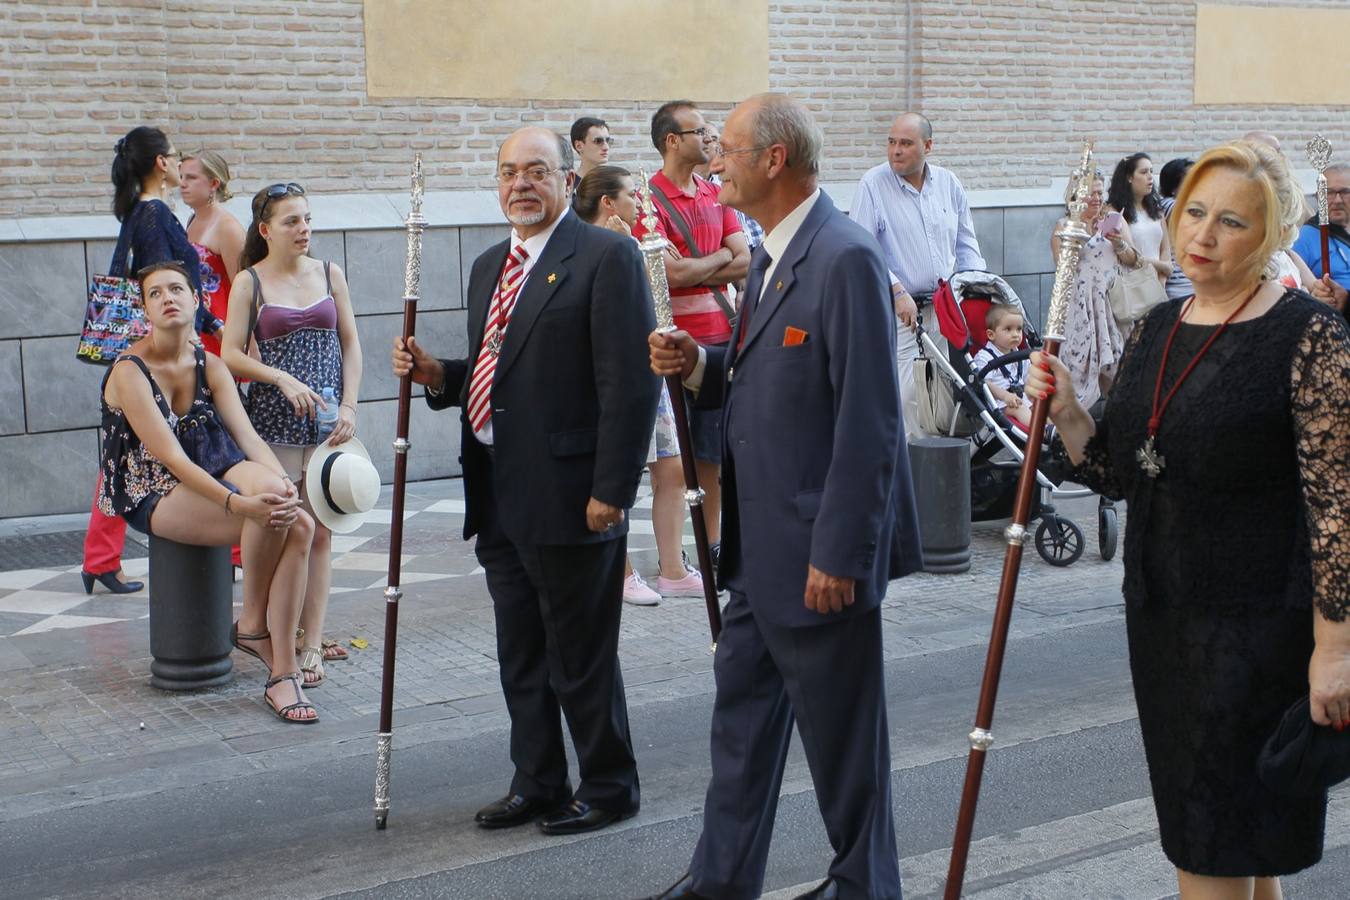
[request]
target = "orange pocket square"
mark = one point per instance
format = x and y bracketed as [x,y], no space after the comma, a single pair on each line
[793,336]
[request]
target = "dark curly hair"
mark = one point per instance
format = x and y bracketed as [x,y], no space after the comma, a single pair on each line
[1121,195]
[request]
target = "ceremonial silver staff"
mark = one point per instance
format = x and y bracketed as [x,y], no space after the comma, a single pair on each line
[412,277]
[1319,155]
[654,256]
[1071,239]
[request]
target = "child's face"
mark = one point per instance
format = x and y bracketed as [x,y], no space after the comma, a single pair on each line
[1007,334]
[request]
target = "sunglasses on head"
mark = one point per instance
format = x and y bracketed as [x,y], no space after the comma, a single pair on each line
[281,190]
[277,190]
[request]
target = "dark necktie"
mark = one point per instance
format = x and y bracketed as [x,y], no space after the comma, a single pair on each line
[760,261]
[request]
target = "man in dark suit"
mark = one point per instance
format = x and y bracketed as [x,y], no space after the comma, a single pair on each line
[558,408]
[819,515]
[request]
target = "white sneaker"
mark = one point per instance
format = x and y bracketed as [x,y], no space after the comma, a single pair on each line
[636,592]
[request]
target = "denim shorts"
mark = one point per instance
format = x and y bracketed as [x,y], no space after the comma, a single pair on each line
[139,518]
[705,429]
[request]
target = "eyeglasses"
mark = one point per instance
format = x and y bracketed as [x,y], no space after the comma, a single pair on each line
[1341,194]
[599,141]
[701,132]
[534,175]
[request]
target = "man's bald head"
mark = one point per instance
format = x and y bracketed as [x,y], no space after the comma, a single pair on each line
[915,120]
[908,145]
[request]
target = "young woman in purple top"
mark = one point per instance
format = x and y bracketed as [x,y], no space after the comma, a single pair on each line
[299,310]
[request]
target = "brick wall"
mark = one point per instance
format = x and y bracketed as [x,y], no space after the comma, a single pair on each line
[279,88]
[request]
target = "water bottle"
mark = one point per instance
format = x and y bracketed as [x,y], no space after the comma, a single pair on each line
[327,417]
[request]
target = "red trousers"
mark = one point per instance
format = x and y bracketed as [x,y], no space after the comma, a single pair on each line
[104,540]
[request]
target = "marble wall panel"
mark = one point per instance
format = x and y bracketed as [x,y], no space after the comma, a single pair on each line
[375,264]
[42,289]
[11,388]
[441,332]
[48,473]
[989,232]
[59,392]
[1026,239]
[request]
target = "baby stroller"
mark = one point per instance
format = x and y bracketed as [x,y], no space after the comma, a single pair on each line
[956,402]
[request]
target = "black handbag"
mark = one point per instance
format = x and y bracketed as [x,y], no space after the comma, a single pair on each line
[206,442]
[1303,758]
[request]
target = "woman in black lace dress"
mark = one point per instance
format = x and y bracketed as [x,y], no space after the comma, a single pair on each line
[1227,431]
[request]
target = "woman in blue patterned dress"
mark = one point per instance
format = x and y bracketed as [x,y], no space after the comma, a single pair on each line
[299,311]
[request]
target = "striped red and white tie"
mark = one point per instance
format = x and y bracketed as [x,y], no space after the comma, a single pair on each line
[498,317]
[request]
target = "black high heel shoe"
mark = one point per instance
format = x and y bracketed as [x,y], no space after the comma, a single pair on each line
[109,581]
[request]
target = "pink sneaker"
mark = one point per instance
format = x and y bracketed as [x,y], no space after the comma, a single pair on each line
[636,592]
[691,585]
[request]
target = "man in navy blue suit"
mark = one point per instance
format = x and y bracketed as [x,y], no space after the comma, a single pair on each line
[818,516]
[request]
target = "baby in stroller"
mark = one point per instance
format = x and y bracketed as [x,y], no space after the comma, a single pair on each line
[1003,328]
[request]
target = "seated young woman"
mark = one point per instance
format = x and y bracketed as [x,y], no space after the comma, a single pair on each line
[181,461]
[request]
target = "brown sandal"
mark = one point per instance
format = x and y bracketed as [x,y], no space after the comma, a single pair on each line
[283,711]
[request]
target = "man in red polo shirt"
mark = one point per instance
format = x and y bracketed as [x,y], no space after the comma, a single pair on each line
[687,211]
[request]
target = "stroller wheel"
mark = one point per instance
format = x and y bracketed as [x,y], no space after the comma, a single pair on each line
[1108,529]
[1059,541]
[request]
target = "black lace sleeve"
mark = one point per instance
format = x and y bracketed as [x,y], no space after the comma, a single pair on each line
[1097,470]
[1320,391]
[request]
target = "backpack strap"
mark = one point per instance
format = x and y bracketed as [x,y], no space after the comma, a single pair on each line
[328,276]
[687,233]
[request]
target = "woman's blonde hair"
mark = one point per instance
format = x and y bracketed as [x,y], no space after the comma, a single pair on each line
[215,167]
[1282,199]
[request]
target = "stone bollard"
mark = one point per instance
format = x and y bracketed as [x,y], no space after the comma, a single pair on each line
[191,608]
[941,469]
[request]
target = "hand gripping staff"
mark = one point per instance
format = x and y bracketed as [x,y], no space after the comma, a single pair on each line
[412,277]
[1071,239]
[653,256]
[1319,156]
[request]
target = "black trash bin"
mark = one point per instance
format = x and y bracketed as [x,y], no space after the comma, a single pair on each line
[941,468]
[191,608]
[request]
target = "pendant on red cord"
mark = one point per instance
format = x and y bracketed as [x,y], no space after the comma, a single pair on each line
[1150,460]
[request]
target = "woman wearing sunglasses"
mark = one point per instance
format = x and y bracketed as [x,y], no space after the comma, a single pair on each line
[299,311]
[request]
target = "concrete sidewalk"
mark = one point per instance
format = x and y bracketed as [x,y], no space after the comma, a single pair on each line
[75,692]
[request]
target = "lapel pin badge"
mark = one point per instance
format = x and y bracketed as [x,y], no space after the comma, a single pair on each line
[552,277]
[778,286]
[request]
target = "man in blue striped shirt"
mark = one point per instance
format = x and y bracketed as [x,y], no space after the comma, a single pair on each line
[919,214]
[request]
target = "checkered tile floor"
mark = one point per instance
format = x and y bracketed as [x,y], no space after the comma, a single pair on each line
[33,601]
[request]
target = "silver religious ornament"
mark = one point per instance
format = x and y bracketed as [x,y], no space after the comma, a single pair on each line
[1072,237]
[494,344]
[1150,460]
[653,247]
[1319,157]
